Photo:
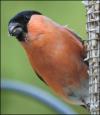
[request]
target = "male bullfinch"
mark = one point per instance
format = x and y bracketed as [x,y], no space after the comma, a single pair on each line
[55,53]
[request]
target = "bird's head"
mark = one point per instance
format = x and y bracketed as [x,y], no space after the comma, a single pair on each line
[18,24]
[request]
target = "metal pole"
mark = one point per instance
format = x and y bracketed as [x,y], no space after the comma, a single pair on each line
[93,53]
[37,93]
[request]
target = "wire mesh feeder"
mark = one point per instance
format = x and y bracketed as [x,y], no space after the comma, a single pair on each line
[93,53]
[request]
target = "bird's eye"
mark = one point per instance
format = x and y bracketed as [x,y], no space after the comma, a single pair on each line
[26,18]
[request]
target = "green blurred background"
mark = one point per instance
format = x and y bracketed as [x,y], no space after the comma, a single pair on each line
[14,62]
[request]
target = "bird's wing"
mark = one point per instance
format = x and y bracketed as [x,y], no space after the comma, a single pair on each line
[77,36]
[80,39]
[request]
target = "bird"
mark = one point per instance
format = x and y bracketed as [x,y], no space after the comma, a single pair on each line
[56,54]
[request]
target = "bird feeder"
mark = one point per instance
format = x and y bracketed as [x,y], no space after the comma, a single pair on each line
[93,53]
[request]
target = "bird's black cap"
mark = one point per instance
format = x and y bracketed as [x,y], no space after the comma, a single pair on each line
[17,26]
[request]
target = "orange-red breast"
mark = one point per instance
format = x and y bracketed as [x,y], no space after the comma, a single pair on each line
[55,53]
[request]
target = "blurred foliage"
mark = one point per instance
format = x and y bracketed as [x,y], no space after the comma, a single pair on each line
[14,62]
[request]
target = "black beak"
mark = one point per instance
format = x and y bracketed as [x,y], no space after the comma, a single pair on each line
[15,29]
